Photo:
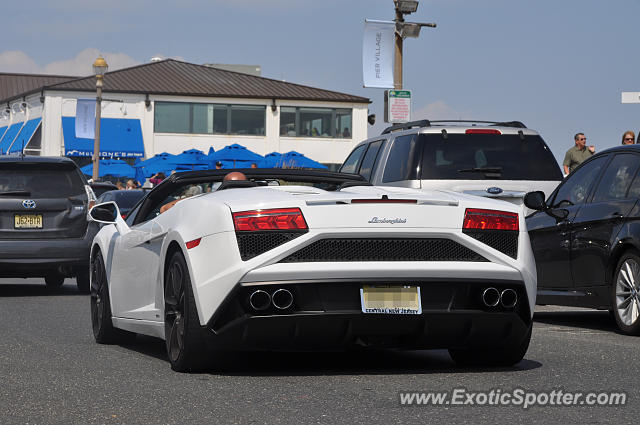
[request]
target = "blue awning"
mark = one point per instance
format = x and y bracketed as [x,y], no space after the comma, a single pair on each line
[119,137]
[25,135]
[8,137]
[2,130]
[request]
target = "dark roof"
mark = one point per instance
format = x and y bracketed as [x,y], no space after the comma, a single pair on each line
[13,85]
[35,159]
[172,77]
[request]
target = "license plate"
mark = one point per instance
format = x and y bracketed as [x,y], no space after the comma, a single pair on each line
[27,221]
[390,299]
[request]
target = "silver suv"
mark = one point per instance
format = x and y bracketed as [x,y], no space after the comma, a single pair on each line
[502,160]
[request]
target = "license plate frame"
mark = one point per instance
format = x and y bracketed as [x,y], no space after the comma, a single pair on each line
[391,299]
[35,221]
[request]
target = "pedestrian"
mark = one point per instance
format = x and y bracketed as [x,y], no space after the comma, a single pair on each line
[254,165]
[130,184]
[119,185]
[628,137]
[157,178]
[577,154]
[218,165]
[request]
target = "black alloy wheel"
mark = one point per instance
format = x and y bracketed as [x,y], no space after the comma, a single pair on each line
[493,356]
[625,293]
[103,330]
[184,338]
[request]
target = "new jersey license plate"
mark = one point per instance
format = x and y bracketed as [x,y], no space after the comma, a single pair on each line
[390,299]
[27,221]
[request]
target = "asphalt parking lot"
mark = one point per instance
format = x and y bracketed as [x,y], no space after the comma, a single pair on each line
[53,372]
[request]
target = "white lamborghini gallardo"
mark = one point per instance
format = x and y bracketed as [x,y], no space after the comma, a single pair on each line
[308,260]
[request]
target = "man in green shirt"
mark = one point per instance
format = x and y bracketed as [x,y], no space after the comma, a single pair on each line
[577,154]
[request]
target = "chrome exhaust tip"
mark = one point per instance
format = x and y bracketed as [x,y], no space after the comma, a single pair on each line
[282,299]
[508,298]
[260,300]
[491,297]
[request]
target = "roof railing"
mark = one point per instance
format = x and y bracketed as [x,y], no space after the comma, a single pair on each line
[429,123]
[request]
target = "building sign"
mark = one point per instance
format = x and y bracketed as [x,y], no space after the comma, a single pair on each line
[377,54]
[397,106]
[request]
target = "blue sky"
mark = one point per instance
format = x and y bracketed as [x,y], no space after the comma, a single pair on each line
[558,66]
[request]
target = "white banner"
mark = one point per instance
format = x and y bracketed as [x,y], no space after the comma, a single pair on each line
[85,118]
[377,54]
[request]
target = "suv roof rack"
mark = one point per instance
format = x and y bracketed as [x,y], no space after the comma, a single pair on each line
[427,123]
[407,125]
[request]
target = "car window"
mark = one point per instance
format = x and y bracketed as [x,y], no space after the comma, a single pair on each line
[351,163]
[182,192]
[402,164]
[634,190]
[369,159]
[576,188]
[460,156]
[617,178]
[42,180]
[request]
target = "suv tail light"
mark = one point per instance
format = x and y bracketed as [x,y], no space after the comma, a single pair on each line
[489,220]
[273,219]
[482,131]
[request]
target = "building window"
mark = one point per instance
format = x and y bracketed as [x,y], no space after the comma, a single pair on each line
[315,122]
[206,118]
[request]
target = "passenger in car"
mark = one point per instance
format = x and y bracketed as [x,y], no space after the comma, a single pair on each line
[628,137]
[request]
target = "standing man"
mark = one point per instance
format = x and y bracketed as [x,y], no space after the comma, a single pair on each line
[577,154]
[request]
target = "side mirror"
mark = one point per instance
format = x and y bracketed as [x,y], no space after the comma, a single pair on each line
[107,213]
[535,201]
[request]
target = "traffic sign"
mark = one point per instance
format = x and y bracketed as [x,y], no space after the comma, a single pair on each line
[397,106]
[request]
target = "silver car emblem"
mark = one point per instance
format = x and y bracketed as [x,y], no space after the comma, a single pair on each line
[29,203]
[494,190]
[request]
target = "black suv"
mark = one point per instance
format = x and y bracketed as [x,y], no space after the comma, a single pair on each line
[44,230]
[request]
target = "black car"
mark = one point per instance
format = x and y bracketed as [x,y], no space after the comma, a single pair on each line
[586,237]
[101,187]
[44,230]
[125,199]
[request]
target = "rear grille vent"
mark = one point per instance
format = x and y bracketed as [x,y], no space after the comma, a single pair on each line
[501,240]
[252,244]
[383,250]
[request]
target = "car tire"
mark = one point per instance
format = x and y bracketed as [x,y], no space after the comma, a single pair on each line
[625,293]
[54,280]
[83,281]
[103,330]
[184,337]
[502,355]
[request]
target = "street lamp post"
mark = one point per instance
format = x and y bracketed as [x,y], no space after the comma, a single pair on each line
[99,69]
[404,30]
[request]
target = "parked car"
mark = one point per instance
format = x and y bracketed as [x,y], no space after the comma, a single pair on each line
[101,187]
[125,199]
[501,160]
[340,264]
[586,237]
[43,220]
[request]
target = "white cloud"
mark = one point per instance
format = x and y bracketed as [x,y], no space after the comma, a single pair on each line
[80,65]
[439,110]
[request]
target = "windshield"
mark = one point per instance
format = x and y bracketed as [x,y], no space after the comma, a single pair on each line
[40,181]
[487,156]
[125,199]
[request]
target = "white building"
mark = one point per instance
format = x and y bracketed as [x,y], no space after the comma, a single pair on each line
[171,106]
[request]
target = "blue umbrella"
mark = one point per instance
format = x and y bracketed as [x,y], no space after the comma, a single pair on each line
[111,167]
[295,159]
[270,160]
[237,154]
[162,162]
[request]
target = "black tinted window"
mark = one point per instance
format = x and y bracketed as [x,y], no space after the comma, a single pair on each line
[516,159]
[41,180]
[369,159]
[351,164]
[617,178]
[124,198]
[402,164]
[576,188]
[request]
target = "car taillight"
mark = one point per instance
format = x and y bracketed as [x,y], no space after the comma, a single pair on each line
[489,220]
[482,131]
[274,219]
